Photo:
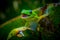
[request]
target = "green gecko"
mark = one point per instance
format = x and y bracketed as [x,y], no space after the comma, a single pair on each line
[31,17]
[17,32]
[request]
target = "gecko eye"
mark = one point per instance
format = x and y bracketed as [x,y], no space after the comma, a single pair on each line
[30,11]
[19,32]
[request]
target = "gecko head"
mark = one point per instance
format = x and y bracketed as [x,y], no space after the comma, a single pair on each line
[20,32]
[26,13]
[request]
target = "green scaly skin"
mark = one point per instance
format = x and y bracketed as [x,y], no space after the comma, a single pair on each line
[33,17]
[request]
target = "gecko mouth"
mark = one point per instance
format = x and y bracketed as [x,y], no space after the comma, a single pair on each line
[24,15]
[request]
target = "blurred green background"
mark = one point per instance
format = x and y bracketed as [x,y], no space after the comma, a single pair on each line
[11,8]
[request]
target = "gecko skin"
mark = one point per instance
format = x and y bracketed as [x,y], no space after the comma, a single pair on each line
[34,19]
